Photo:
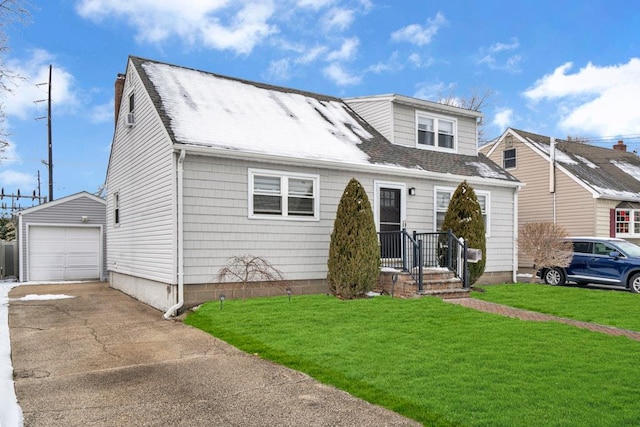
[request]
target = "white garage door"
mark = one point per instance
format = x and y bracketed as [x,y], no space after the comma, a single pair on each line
[64,253]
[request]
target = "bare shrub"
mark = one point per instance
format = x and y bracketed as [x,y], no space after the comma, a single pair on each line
[544,243]
[250,268]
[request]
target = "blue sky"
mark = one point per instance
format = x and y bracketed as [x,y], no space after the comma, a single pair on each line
[557,68]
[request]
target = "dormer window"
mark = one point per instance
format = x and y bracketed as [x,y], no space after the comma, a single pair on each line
[435,133]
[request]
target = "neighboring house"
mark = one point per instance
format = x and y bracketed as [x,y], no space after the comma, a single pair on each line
[205,167]
[63,240]
[588,190]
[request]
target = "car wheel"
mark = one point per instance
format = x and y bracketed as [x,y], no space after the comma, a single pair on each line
[634,283]
[555,276]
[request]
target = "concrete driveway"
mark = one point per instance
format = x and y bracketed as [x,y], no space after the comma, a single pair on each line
[105,359]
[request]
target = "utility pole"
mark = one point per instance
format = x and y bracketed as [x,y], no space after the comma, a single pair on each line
[50,142]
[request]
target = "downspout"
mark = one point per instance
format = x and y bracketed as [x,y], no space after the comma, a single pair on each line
[515,240]
[173,310]
[552,176]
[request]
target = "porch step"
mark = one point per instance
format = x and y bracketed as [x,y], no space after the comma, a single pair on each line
[439,282]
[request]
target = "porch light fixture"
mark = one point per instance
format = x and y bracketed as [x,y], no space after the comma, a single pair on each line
[412,191]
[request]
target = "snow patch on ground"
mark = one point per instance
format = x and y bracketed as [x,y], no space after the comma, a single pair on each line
[10,411]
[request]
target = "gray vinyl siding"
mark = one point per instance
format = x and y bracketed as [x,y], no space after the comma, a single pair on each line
[404,119]
[377,113]
[142,172]
[217,225]
[603,216]
[65,213]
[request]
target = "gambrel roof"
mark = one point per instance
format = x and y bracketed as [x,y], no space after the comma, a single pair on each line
[607,173]
[210,111]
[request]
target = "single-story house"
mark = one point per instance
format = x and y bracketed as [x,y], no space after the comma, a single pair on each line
[205,167]
[63,240]
[588,190]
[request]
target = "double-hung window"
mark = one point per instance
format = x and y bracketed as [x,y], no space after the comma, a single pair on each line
[627,223]
[509,158]
[274,194]
[436,133]
[116,208]
[442,199]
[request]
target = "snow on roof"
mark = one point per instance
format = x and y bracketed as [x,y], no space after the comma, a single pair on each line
[561,156]
[628,168]
[486,171]
[587,162]
[213,111]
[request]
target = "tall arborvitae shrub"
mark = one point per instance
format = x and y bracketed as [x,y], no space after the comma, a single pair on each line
[464,219]
[354,255]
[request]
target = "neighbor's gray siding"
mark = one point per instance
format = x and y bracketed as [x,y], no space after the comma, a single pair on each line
[217,225]
[377,113]
[142,171]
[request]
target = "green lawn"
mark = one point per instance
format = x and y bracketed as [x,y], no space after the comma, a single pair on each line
[606,307]
[439,363]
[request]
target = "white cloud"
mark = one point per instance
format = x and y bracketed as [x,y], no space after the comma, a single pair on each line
[418,34]
[418,61]
[347,50]
[502,118]
[102,113]
[315,4]
[9,155]
[337,19]
[32,86]
[595,100]
[340,76]
[433,91]
[392,64]
[16,179]
[501,56]
[279,69]
[221,24]
[312,54]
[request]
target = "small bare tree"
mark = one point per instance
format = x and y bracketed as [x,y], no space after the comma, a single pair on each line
[250,268]
[544,242]
[478,100]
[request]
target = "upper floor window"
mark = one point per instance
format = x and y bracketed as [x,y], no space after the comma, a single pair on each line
[435,132]
[116,208]
[442,198]
[509,158]
[131,102]
[274,194]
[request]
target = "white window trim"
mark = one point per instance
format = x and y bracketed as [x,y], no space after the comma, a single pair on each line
[515,159]
[452,190]
[377,185]
[284,179]
[435,118]
[632,220]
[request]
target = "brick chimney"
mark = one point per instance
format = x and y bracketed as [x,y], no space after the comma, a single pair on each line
[620,146]
[119,89]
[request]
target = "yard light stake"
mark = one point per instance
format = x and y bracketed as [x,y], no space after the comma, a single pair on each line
[222,297]
[289,292]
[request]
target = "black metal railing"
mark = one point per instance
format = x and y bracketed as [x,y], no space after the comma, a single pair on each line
[413,252]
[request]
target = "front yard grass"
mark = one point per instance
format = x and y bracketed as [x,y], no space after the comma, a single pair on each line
[606,307]
[438,363]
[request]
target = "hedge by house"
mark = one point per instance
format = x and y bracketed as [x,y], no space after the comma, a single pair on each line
[354,255]
[464,219]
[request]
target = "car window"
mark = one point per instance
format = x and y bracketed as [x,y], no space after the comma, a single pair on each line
[600,248]
[582,247]
[629,248]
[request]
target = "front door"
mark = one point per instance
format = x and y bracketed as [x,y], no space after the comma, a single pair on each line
[390,220]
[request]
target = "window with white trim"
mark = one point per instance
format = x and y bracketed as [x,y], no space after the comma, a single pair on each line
[435,133]
[441,203]
[275,194]
[509,158]
[627,223]
[116,208]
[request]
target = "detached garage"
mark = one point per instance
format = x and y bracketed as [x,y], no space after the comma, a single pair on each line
[63,240]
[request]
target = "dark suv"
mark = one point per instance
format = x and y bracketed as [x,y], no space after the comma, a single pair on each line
[602,261]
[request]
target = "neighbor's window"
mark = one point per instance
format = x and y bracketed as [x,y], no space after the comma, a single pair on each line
[509,158]
[116,208]
[131,102]
[628,222]
[442,198]
[283,195]
[435,132]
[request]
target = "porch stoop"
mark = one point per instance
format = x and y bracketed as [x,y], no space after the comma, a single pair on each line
[439,283]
